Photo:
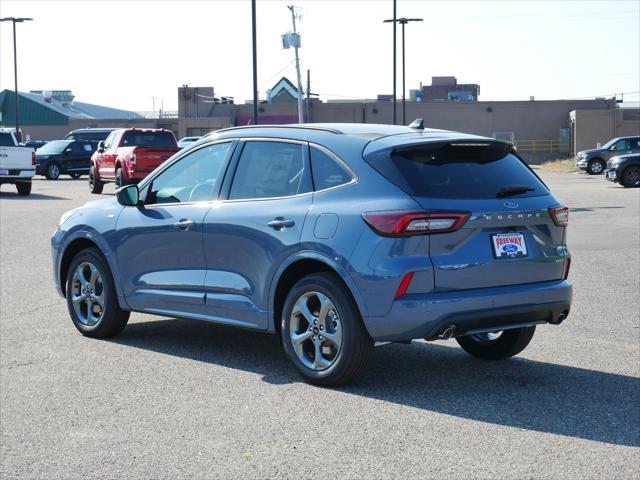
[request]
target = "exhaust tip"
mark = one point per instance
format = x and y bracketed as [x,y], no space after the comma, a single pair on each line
[447,333]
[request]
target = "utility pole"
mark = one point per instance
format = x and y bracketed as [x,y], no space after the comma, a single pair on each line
[394,20]
[296,46]
[15,69]
[255,63]
[308,95]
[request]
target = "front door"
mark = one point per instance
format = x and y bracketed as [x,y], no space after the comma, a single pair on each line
[160,252]
[248,234]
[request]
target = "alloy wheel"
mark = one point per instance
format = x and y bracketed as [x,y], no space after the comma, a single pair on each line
[315,330]
[53,171]
[88,294]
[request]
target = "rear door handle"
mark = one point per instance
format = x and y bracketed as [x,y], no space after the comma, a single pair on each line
[279,223]
[184,224]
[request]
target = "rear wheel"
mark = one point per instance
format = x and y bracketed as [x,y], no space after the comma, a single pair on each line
[596,167]
[24,188]
[631,177]
[91,296]
[497,345]
[52,171]
[95,185]
[120,181]
[322,331]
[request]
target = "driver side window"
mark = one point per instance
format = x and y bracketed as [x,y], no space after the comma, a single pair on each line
[192,179]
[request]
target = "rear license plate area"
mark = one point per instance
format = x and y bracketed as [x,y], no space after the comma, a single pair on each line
[509,245]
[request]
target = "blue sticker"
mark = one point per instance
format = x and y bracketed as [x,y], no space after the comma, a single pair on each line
[510,248]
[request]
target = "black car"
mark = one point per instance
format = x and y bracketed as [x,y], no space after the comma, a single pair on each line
[90,134]
[64,156]
[625,170]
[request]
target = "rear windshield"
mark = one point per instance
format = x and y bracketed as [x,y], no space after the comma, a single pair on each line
[149,139]
[457,171]
[6,140]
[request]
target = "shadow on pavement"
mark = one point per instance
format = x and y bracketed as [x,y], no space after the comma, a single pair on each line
[518,393]
[8,195]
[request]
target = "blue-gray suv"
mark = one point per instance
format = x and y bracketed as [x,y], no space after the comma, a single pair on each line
[332,236]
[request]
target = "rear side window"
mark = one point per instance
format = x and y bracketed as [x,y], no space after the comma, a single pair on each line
[6,140]
[456,171]
[327,172]
[269,170]
[149,139]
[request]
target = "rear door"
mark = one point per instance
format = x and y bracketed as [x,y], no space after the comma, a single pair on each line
[509,238]
[77,155]
[257,226]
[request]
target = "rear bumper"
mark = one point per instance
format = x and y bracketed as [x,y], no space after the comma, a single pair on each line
[472,311]
[18,175]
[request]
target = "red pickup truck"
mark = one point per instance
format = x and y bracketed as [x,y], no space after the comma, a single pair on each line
[128,155]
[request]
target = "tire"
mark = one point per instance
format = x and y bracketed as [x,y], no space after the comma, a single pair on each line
[95,185]
[120,181]
[337,334]
[75,175]
[24,188]
[507,344]
[596,166]
[631,177]
[89,278]
[52,172]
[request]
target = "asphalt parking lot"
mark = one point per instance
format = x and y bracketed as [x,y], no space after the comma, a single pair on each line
[176,398]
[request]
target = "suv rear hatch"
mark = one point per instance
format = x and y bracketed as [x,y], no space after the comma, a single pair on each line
[514,230]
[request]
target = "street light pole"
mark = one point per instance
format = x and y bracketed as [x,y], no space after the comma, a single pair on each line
[255,63]
[15,68]
[402,21]
[394,20]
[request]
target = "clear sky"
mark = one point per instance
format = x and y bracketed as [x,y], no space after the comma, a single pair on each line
[123,53]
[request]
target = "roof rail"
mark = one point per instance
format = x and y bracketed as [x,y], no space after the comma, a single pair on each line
[295,127]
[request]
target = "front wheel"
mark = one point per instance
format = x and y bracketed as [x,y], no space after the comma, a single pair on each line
[322,331]
[497,345]
[631,177]
[52,171]
[596,167]
[95,184]
[91,296]
[120,181]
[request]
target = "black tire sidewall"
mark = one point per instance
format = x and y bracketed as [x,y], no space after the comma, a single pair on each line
[510,343]
[95,185]
[624,181]
[119,178]
[24,188]
[351,324]
[593,162]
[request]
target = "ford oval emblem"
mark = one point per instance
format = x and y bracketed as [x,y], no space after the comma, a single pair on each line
[511,204]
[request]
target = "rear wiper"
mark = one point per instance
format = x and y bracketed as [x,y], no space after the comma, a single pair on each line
[513,190]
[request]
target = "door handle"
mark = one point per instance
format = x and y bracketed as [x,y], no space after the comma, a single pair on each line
[279,223]
[184,224]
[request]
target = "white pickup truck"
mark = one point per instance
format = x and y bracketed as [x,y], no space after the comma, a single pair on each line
[17,164]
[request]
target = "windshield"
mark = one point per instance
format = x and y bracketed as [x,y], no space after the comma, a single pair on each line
[457,171]
[610,143]
[52,148]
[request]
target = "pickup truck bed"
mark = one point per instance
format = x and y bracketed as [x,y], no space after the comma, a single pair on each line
[17,164]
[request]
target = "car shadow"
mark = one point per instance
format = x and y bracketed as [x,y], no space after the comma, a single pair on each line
[518,393]
[8,195]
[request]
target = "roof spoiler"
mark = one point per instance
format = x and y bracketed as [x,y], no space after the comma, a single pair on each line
[418,124]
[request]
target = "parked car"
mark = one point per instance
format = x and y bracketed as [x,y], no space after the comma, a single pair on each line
[186,141]
[129,155]
[58,157]
[35,144]
[89,134]
[17,164]
[333,237]
[595,161]
[625,170]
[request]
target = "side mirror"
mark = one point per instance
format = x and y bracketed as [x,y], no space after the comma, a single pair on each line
[613,148]
[128,196]
[101,146]
[67,151]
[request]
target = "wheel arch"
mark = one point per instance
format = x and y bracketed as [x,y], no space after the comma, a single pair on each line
[298,266]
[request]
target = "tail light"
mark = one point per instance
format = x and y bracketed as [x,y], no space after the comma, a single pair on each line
[404,224]
[567,266]
[404,285]
[560,215]
[33,157]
